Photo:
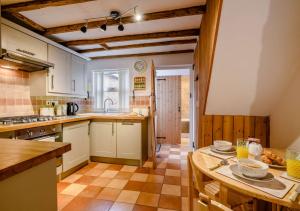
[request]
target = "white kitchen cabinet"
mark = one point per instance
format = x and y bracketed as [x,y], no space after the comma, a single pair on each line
[78,66]
[19,42]
[66,78]
[59,76]
[78,135]
[103,139]
[129,140]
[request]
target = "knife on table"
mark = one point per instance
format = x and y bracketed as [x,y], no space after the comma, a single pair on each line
[294,195]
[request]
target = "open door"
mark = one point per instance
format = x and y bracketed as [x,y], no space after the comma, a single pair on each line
[153,116]
[168,100]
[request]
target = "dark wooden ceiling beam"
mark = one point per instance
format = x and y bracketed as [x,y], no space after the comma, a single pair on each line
[143,54]
[23,21]
[39,4]
[140,45]
[130,19]
[105,46]
[155,35]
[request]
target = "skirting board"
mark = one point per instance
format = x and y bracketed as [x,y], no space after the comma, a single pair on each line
[121,161]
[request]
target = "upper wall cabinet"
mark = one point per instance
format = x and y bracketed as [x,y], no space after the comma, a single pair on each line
[66,78]
[22,43]
[78,68]
[60,75]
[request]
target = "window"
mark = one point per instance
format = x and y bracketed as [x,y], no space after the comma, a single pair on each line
[114,85]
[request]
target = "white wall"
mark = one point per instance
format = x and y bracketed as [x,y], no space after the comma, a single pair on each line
[285,117]
[257,53]
[161,60]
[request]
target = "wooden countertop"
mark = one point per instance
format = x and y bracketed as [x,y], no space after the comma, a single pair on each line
[19,155]
[67,119]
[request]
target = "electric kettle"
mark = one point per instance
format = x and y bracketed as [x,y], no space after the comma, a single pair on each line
[72,108]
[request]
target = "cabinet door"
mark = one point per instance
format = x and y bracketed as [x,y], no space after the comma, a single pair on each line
[78,66]
[77,135]
[103,139]
[22,43]
[129,139]
[59,76]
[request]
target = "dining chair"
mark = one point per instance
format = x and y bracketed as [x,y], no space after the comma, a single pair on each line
[206,204]
[211,189]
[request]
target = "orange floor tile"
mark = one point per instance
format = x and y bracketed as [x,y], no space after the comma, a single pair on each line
[100,186]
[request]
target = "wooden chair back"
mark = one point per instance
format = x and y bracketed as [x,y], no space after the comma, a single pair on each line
[205,203]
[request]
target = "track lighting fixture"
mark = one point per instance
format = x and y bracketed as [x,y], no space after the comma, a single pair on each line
[114,16]
[103,26]
[83,29]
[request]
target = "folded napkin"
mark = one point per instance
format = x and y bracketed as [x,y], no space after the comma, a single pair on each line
[286,176]
[207,150]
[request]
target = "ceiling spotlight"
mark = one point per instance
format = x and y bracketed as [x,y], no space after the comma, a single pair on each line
[83,29]
[103,26]
[121,27]
[137,16]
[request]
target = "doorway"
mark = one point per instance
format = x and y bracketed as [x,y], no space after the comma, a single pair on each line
[174,106]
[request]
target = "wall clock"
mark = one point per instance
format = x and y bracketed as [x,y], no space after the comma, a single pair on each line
[140,66]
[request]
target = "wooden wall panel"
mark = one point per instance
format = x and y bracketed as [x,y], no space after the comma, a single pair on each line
[204,54]
[207,130]
[238,128]
[249,126]
[228,128]
[234,127]
[217,127]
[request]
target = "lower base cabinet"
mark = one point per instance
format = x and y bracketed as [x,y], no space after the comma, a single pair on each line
[103,139]
[129,140]
[78,135]
[118,141]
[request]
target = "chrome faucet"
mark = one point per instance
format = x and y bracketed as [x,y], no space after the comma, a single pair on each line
[107,99]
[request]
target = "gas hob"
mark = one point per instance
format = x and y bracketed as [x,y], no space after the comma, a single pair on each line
[24,119]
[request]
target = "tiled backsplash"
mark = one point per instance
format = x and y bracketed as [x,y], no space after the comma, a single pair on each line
[15,99]
[139,101]
[14,93]
[85,105]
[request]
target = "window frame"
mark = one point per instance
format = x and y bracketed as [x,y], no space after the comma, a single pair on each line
[99,87]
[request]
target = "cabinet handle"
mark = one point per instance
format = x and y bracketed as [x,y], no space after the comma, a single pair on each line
[52,81]
[127,123]
[26,52]
[112,129]
[74,85]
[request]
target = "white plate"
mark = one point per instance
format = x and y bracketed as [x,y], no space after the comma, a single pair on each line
[230,152]
[235,171]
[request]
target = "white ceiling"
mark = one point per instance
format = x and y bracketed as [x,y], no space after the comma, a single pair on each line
[78,13]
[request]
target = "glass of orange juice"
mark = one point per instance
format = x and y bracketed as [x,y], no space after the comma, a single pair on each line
[242,148]
[293,163]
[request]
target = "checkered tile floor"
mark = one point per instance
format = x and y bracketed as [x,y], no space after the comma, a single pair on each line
[101,186]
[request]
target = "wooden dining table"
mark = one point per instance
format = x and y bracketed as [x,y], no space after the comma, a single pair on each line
[204,162]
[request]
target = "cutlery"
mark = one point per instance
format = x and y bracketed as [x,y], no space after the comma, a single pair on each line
[294,195]
[223,162]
